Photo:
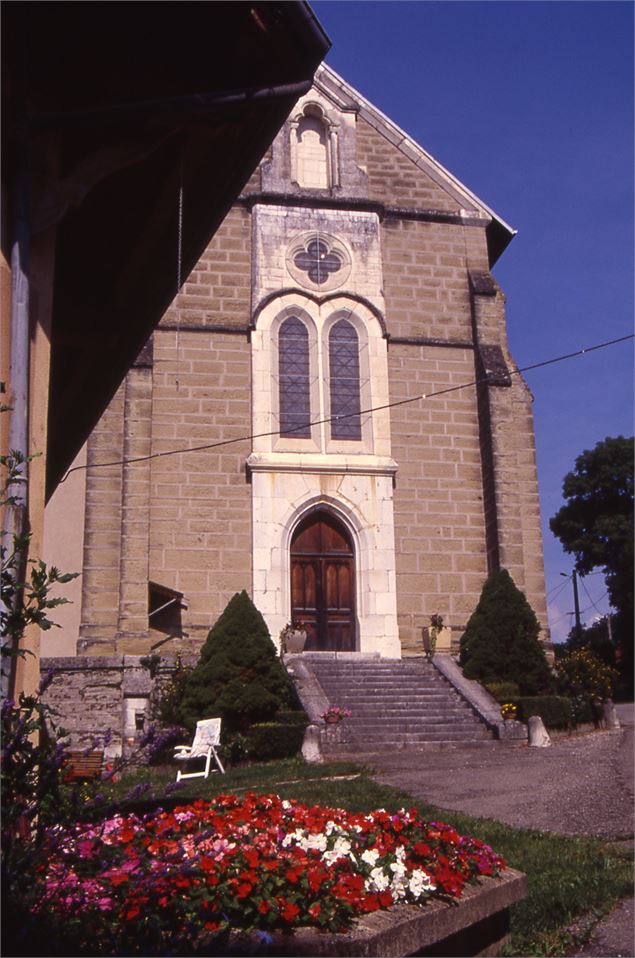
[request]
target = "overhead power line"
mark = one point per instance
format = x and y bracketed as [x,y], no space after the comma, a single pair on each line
[317,422]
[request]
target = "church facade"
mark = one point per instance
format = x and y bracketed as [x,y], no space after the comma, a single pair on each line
[327,416]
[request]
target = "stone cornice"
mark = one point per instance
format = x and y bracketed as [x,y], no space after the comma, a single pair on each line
[331,463]
[318,200]
[427,341]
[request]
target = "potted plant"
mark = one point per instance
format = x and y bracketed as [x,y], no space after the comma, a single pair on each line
[335,714]
[509,711]
[293,637]
[431,634]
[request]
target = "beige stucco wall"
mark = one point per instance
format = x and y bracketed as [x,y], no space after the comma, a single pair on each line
[64,548]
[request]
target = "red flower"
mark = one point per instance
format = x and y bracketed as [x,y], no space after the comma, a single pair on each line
[451,881]
[117,878]
[316,877]
[252,857]
[288,911]
[422,849]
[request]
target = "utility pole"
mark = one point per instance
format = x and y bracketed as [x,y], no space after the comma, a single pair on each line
[576,603]
[576,606]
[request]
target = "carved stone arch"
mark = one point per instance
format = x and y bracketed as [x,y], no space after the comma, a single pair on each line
[323,555]
[332,297]
[344,511]
[314,163]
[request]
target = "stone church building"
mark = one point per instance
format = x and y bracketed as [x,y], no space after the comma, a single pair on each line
[327,416]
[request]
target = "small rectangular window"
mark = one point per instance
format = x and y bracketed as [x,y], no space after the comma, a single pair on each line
[164,609]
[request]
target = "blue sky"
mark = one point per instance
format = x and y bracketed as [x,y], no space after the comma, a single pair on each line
[530,105]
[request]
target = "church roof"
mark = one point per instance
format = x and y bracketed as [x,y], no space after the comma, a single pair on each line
[330,83]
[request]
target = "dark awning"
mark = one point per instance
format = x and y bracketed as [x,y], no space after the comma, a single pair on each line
[118,104]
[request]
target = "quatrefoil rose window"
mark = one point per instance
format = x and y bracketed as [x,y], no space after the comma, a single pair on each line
[318,261]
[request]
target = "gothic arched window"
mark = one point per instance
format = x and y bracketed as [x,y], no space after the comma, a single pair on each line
[344,382]
[294,379]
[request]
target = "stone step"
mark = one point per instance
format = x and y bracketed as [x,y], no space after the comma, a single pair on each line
[394,704]
[440,710]
[363,751]
[412,738]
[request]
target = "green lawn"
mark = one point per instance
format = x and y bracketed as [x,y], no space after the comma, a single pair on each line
[568,877]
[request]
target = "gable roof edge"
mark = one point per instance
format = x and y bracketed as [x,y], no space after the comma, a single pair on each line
[500,233]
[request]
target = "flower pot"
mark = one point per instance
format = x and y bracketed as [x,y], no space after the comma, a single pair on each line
[295,640]
[332,719]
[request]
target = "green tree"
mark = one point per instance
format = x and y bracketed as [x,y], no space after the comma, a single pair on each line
[587,680]
[596,526]
[595,637]
[500,642]
[239,676]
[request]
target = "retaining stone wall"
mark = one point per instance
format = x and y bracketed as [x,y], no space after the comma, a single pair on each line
[94,694]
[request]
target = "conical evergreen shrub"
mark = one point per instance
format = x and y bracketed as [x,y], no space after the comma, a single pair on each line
[500,643]
[239,676]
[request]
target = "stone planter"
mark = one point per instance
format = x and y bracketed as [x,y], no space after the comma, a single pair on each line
[476,924]
[295,641]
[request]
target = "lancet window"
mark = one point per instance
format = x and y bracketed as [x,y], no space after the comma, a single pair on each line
[294,379]
[344,382]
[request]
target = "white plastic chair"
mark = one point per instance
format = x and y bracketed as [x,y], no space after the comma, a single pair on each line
[206,739]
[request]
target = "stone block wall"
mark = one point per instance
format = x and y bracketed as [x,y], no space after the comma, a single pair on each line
[465,491]
[439,521]
[393,177]
[96,696]
[87,697]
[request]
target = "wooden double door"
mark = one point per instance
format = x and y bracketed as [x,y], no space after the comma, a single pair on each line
[323,583]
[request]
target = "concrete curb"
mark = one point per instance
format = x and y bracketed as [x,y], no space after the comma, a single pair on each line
[485,706]
[476,924]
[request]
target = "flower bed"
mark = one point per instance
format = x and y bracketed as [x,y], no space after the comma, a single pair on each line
[260,862]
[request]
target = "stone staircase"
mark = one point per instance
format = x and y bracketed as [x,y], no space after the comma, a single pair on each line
[395,703]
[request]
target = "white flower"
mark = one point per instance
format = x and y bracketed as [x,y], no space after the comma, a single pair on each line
[319,842]
[377,880]
[293,838]
[420,882]
[370,856]
[398,888]
[341,849]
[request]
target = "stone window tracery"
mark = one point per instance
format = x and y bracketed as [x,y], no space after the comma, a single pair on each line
[344,382]
[318,261]
[294,379]
[316,368]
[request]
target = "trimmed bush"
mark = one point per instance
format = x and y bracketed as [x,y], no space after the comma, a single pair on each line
[500,642]
[503,691]
[267,741]
[554,710]
[239,676]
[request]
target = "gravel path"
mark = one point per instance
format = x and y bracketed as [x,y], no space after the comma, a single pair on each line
[573,787]
[579,785]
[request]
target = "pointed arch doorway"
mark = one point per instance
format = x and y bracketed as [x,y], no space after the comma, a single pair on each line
[323,582]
